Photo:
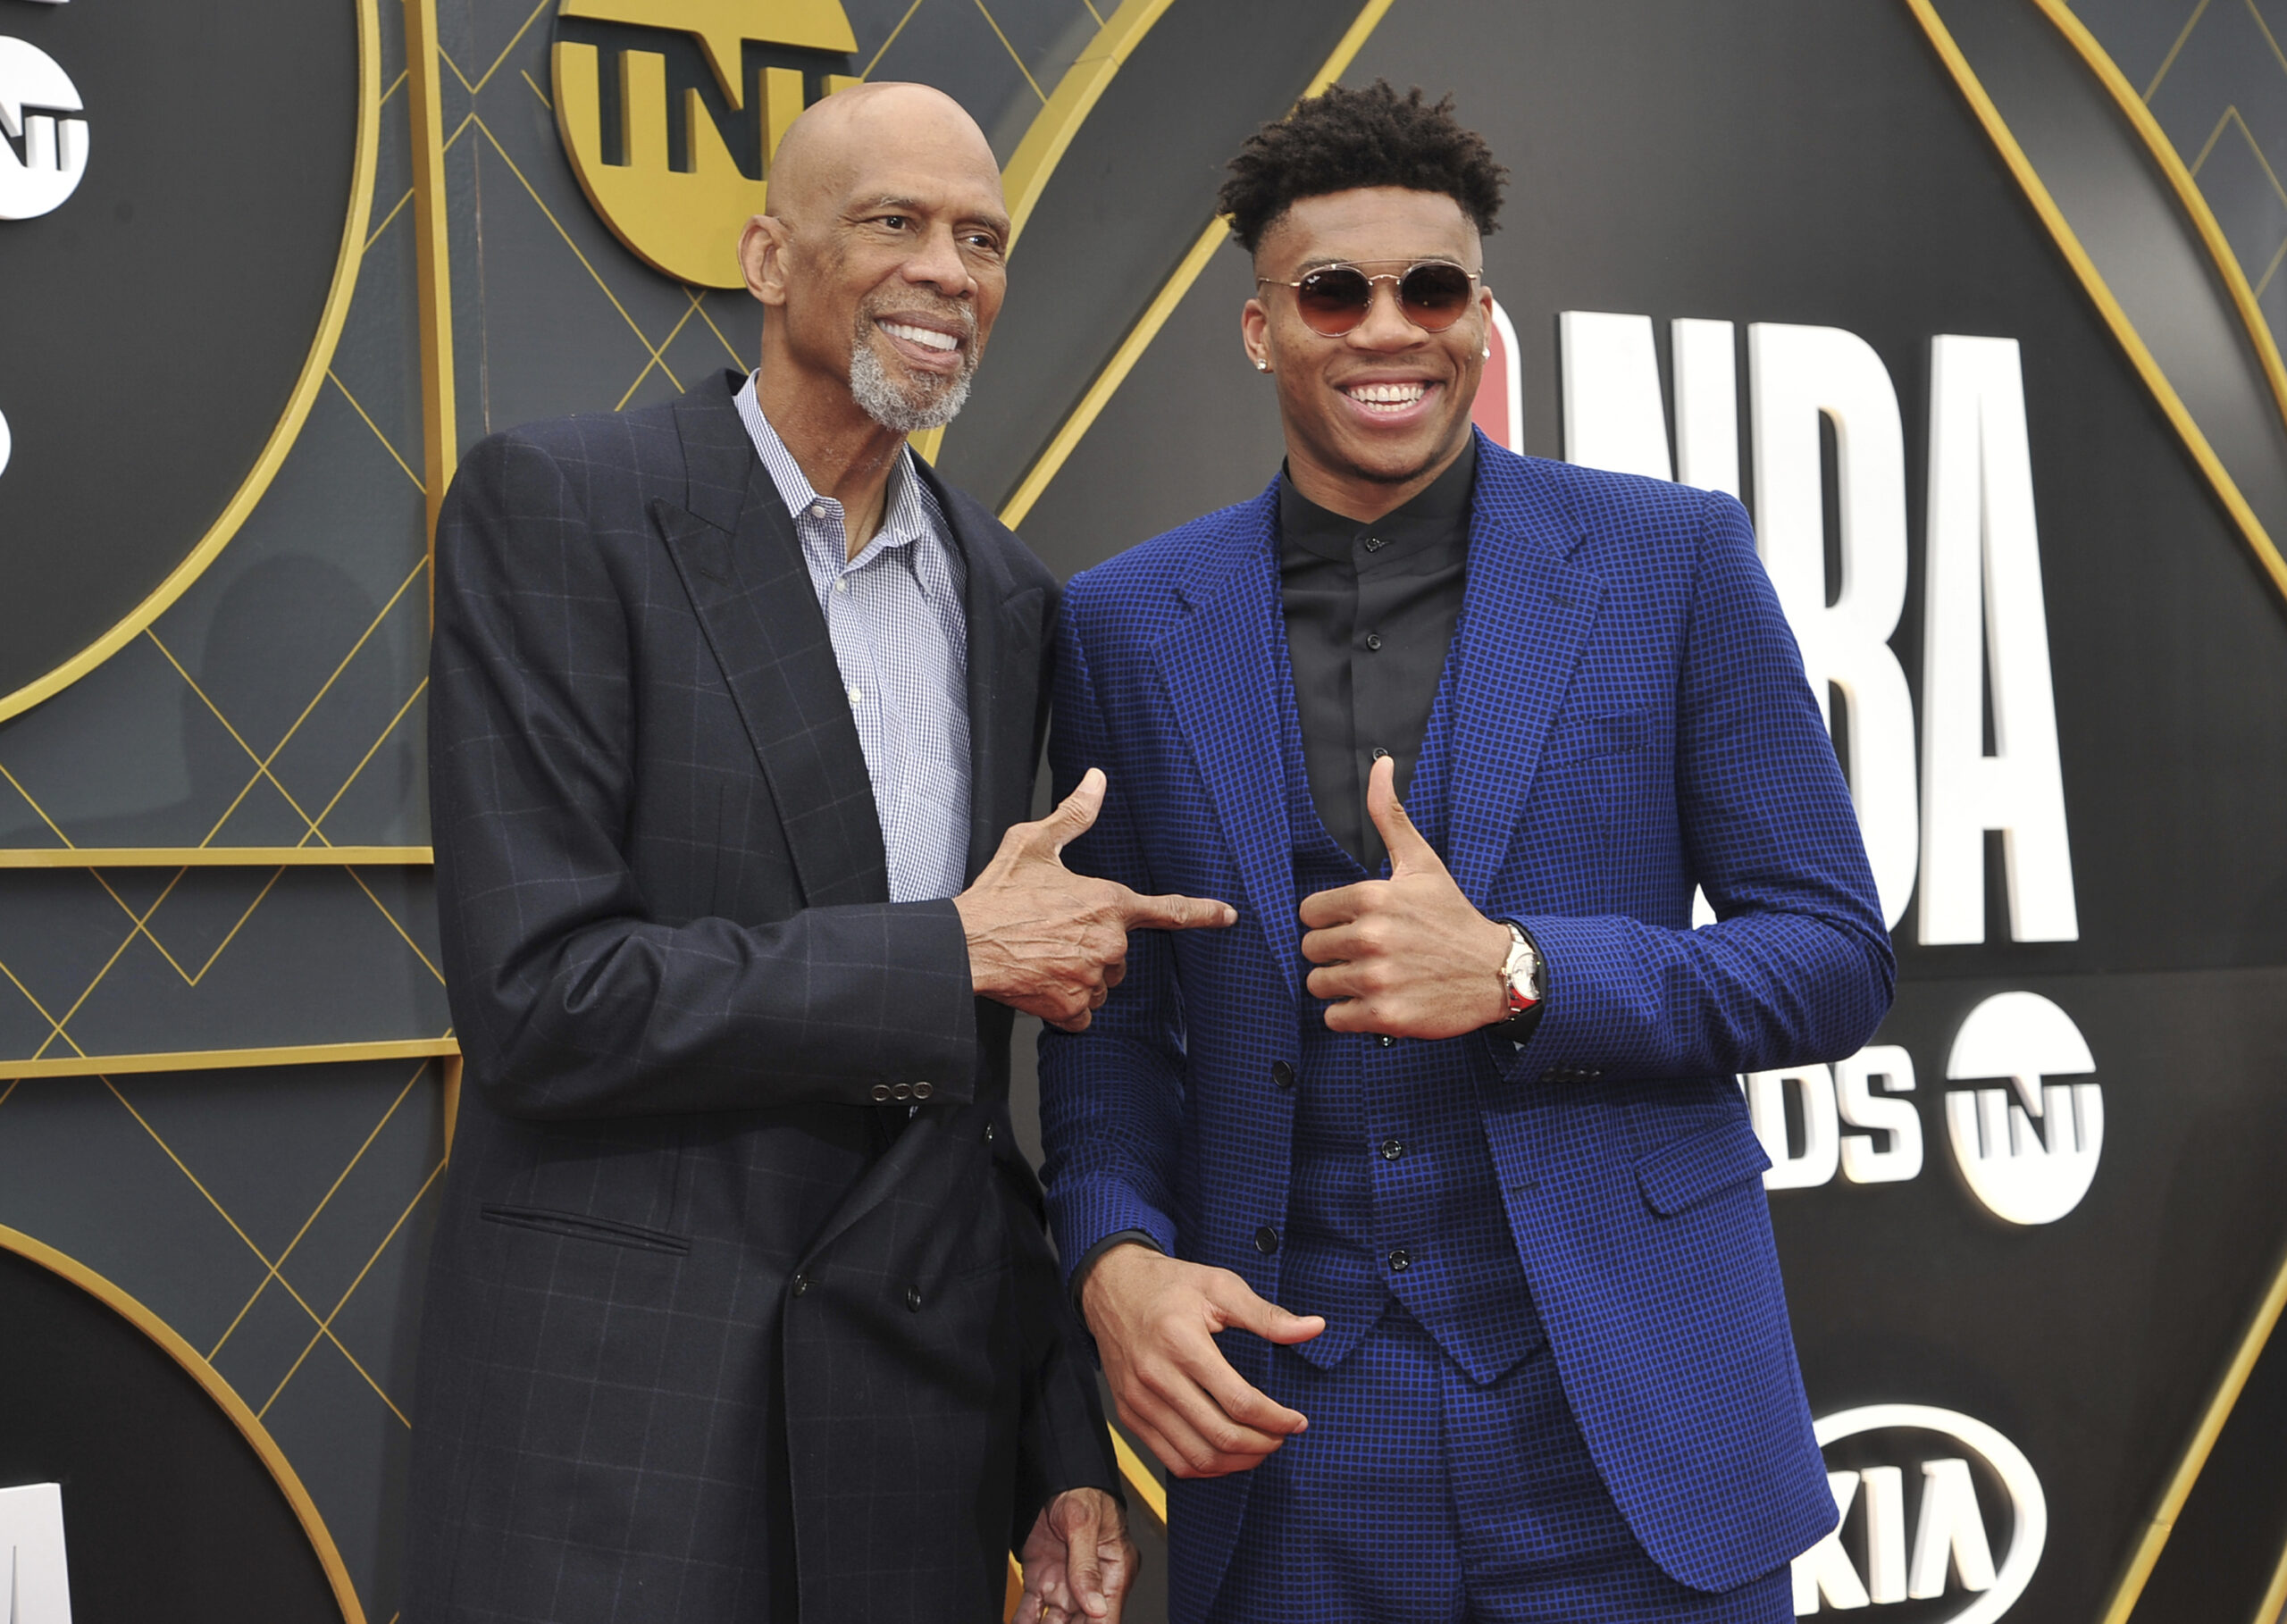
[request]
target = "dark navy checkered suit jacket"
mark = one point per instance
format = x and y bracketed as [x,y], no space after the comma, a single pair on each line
[1629,716]
[710,1334]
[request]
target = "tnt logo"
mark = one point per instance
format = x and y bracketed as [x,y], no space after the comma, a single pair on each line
[670,110]
[45,152]
[2029,1157]
[1969,1497]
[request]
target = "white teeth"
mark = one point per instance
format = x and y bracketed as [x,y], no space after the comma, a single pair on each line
[929,338]
[1397,396]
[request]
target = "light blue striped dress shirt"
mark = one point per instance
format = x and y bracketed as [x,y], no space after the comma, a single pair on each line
[901,638]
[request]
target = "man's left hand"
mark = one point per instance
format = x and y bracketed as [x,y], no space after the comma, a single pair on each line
[1409,956]
[1079,1561]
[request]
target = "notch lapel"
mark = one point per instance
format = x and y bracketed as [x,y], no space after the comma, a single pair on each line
[1224,679]
[1524,620]
[734,549]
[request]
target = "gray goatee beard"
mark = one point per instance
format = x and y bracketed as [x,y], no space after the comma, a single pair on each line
[924,402]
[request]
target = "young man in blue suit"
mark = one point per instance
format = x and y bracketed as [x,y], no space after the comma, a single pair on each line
[1457,1088]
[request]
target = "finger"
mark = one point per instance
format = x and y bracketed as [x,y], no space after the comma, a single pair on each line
[1028,1608]
[1208,1443]
[1070,1023]
[1175,913]
[1082,1561]
[1115,972]
[1076,814]
[1236,1300]
[1323,908]
[1347,980]
[1343,944]
[1409,852]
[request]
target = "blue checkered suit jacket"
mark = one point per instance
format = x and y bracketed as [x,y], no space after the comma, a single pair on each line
[1629,716]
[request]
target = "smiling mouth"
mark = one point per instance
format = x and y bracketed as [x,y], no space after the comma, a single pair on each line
[1387,398]
[928,337]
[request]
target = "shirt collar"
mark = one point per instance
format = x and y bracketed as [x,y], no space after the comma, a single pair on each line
[903,518]
[1438,513]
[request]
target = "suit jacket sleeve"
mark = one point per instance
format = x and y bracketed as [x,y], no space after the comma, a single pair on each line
[1800,965]
[1111,1097]
[570,1001]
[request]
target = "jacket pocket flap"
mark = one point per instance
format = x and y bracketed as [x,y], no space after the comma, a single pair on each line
[1691,1169]
[579,1226]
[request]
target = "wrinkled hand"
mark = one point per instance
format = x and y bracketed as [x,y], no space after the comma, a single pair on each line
[1409,956]
[1155,1319]
[1078,1560]
[1054,943]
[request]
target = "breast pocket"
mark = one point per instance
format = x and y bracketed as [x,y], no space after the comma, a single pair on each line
[1595,781]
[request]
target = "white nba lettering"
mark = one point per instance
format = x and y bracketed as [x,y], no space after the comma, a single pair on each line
[2019,1173]
[1824,1570]
[1950,1532]
[1767,1110]
[1707,405]
[31,1553]
[1880,1113]
[1613,415]
[1885,1533]
[1986,621]
[1796,375]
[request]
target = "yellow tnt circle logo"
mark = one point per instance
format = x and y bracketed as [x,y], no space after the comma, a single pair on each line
[670,110]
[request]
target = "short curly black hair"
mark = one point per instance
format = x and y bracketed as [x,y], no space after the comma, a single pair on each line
[1347,138]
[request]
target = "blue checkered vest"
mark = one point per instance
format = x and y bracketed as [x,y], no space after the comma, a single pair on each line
[1392,1190]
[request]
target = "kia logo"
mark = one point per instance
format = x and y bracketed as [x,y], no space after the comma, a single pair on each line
[1868,1560]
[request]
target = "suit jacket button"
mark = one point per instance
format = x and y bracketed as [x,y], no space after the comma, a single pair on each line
[1282,1073]
[1401,1259]
[900,1091]
[1387,1040]
[913,1298]
[799,1285]
[988,1133]
[1266,1240]
[880,1093]
[1549,1075]
[922,1091]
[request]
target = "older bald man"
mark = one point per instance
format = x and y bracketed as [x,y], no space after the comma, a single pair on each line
[741,1306]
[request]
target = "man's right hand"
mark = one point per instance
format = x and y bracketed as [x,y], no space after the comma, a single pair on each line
[1155,1319]
[1054,943]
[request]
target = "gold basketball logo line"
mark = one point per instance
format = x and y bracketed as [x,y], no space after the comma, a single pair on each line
[683,220]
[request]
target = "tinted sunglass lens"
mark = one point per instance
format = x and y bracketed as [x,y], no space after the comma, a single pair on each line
[1435,296]
[1334,301]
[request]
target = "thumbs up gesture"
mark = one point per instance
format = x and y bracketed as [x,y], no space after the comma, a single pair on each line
[1054,943]
[1408,956]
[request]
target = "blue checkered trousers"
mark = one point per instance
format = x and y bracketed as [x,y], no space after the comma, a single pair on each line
[1557,1380]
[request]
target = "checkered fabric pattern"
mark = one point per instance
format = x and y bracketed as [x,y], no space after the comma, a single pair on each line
[894,615]
[1629,716]
[1486,1505]
[711,1337]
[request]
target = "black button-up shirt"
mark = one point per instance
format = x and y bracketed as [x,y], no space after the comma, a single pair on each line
[1370,610]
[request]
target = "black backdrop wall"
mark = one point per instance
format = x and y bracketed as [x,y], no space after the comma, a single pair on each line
[237,371]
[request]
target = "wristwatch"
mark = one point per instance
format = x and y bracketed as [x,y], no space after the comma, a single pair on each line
[1521,976]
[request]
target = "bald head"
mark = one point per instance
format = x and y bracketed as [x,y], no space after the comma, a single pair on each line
[826,156]
[881,261]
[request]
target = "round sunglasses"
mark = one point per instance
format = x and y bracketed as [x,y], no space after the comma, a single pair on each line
[1333,299]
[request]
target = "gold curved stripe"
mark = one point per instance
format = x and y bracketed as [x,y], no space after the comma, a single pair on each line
[2156,1532]
[1107,382]
[218,857]
[218,1060]
[225,1397]
[1050,133]
[297,404]
[2220,1403]
[2195,204]
[1068,106]
[2092,281]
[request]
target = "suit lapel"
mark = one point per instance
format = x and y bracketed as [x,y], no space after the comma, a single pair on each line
[1224,680]
[736,549]
[1524,620]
